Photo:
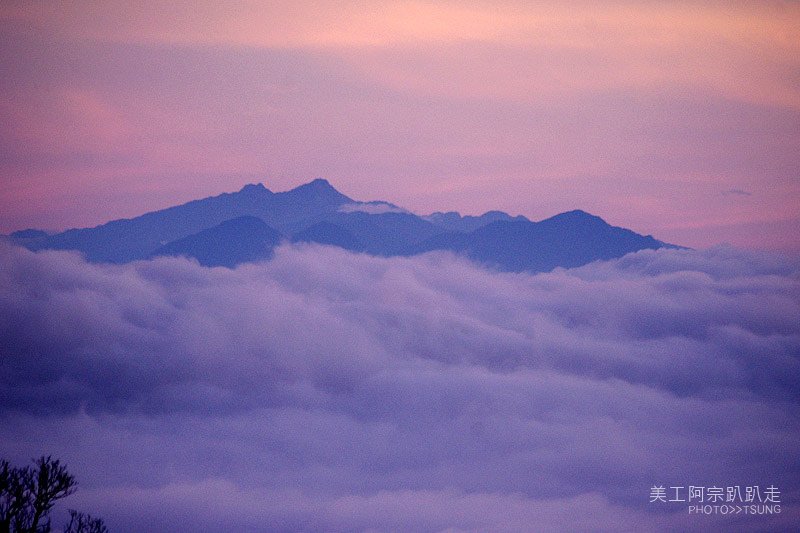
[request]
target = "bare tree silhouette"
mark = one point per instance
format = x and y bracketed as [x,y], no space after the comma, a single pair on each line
[27,495]
[84,523]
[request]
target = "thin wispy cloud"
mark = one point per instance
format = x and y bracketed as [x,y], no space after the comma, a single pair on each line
[736,192]
[372,208]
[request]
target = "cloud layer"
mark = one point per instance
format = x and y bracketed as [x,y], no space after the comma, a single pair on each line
[325,390]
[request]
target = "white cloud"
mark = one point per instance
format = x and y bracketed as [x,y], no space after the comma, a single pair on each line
[372,208]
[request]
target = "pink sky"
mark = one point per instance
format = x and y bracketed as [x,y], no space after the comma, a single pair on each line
[674,119]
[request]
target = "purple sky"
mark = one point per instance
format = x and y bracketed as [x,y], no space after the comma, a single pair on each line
[675,119]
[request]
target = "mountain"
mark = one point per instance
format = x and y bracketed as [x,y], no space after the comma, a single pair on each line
[121,241]
[26,237]
[239,240]
[243,226]
[453,221]
[567,240]
[28,234]
[385,234]
[330,234]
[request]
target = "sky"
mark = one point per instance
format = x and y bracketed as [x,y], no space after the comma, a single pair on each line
[677,119]
[330,391]
[324,390]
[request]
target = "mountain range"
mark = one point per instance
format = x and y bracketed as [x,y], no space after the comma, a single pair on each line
[244,226]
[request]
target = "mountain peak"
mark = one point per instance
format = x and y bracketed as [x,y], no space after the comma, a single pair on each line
[576,216]
[578,213]
[29,234]
[318,184]
[238,240]
[254,188]
[319,190]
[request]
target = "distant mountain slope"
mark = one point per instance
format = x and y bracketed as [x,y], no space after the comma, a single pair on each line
[239,240]
[567,240]
[26,237]
[29,234]
[385,234]
[453,221]
[244,226]
[124,240]
[331,234]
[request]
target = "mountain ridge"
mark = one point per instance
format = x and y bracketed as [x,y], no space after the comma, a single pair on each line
[243,226]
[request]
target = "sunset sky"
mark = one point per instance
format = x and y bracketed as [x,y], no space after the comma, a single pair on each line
[679,120]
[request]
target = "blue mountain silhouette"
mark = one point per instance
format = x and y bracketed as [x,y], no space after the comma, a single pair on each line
[239,240]
[386,234]
[567,240]
[26,234]
[243,226]
[331,234]
[453,221]
[124,240]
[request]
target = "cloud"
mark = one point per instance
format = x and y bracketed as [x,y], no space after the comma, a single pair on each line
[372,208]
[407,510]
[736,192]
[330,391]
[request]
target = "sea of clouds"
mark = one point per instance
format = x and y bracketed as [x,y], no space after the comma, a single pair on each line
[330,391]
